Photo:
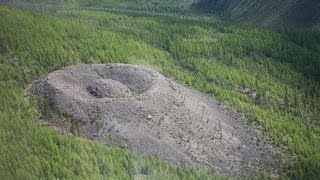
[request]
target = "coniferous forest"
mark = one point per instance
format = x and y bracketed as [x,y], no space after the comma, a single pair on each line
[270,75]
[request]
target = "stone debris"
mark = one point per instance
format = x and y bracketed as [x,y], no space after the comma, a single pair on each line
[110,102]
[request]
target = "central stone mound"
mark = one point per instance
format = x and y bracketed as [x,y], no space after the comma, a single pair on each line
[139,109]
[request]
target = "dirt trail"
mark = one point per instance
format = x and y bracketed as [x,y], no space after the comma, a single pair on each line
[140,109]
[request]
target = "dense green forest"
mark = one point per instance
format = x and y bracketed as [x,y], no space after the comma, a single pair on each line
[303,13]
[272,76]
[176,6]
[296,13]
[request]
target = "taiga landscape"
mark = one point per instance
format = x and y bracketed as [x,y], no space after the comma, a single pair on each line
[159,89]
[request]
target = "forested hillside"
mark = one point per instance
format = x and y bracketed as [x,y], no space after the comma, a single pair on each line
[271,76]
[286,12]
[296,13]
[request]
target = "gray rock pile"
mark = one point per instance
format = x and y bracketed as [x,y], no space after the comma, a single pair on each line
[139,109]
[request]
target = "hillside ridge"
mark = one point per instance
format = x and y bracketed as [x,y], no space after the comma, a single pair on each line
[302,13]
[293,13]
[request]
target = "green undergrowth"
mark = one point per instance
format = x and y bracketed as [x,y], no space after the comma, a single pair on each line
[271,76]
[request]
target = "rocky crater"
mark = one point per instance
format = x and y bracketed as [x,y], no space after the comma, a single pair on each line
[139,109]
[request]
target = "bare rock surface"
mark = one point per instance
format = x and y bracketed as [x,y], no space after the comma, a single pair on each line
[139,109]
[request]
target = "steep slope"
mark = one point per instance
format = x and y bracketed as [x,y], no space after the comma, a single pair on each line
[302,13]
[274,12]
